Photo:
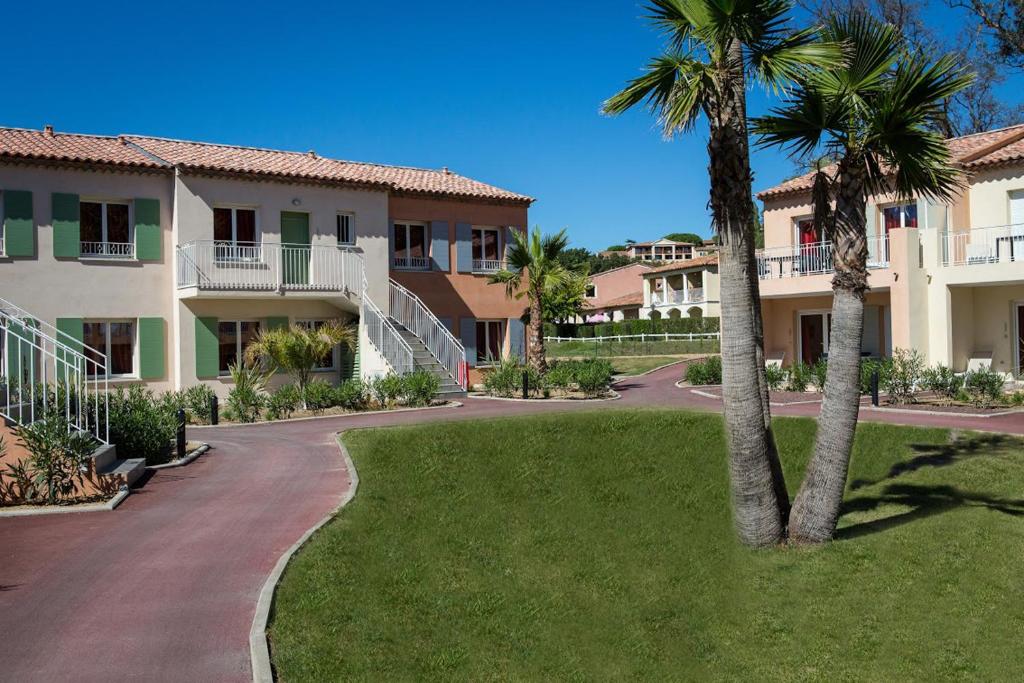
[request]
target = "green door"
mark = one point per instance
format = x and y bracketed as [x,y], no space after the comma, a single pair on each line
[296,251]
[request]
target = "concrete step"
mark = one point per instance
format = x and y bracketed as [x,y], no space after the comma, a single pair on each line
[103,456]
[127,471]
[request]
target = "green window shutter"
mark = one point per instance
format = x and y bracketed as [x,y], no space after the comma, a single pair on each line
[19,225]
[147,230]
[151,348]
[277,322]
[72,327]
[207,348]
[67,232]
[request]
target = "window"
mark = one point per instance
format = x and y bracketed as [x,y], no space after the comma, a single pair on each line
[234,336]
[900,216]
[344,229]
[489,335]
[591,291]
[411,246]
[807,232]
[116,340]
[105,229]
[327,362]
[485,249]
[234,232]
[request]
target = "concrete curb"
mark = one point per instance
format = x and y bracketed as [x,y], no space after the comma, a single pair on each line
[445,405]
[941,413]
[623,378]
[614,397]
[33,511]
[259,646]
[190,457]
[682,385]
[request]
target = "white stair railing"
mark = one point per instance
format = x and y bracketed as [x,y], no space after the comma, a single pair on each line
[410,312]
[36,359]
[384,336]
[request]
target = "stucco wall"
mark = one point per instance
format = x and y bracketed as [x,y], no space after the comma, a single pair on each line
[984,321]
[781,324]
[989,202]
[616,283]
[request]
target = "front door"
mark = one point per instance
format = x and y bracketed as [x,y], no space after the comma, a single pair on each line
[812,337]
[295,251]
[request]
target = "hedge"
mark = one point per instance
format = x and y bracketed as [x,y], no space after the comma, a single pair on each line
[623,327]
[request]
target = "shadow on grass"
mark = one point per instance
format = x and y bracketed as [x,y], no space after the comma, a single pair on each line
[943,455]
[924,501]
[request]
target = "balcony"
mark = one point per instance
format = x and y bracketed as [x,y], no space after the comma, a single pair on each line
[107,250]
[411,263]
[209,266]
[486,265]
[693,295]
[813,259]
[982,246]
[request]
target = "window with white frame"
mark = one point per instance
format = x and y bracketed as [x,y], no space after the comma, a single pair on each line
[591,291]
[899,216]
[486,254]
[489,337]
[328,362]
[235,234]
[343,229]
[105,228]
[411,246]
[116,340]
[234,336]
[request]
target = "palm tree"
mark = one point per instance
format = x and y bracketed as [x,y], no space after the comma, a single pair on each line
[534,271]
[298,349]
[878,115]
[714,47]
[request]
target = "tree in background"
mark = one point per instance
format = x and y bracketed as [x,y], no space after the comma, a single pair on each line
[534,271]
[875,114]
[714,47]
[691,237]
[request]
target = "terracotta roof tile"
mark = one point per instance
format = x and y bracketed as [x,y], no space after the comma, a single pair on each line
[94,149]
[697,262]
[970,151]
[632,299]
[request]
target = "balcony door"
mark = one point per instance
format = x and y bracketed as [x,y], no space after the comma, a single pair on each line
[296,250]
[814,329]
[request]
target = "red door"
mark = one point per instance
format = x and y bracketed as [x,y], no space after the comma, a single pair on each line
[812,338]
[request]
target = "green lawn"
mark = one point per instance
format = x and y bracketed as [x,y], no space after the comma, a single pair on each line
[599,546]
[578,349]
[635,365]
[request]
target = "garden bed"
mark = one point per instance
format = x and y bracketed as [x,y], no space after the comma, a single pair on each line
[567,380]
[776,398]
[332,412]
[932,403]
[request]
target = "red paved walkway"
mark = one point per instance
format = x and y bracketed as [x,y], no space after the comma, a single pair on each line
[165,587]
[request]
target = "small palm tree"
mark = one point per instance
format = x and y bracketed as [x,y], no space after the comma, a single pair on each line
[878,114]
[534,271]
[299,350]
[714,46]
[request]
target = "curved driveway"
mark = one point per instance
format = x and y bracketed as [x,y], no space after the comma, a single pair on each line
[165,587]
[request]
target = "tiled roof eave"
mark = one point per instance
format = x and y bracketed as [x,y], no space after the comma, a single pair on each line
[84,164]
[464,197]
[288,178]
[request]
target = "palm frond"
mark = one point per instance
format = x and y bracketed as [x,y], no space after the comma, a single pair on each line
[778,62]
[674,87]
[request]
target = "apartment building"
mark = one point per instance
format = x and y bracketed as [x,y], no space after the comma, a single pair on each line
[946,278]
[688,289]
[661,250]
[614,294]
[164,258]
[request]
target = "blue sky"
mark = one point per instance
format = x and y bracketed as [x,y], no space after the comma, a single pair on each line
[507,93]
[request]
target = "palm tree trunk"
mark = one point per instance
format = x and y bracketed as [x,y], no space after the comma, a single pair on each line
[756,482]
[816,509]
[536,342]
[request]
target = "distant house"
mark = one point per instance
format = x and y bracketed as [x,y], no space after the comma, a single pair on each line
[682,290]
[615,294]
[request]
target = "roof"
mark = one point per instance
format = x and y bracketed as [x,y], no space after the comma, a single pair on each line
[1000,146]
[635,264]
[654,242]
[141,151]
[698,262]
[632,299]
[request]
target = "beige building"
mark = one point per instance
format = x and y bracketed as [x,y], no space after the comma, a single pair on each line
[946,279]
[682,290]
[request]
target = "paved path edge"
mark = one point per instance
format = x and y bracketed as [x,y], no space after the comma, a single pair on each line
[259,646]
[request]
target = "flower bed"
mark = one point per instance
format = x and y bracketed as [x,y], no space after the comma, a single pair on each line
[567,379]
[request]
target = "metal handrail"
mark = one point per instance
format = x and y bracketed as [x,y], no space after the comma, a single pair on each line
[814,258]
[410,311]
[990,244]
[384,336]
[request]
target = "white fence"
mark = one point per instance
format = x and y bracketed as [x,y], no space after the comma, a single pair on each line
[693,295]
[47,371]
[410,311]
[814,258]
[648,337]
[209,264]
[995,244]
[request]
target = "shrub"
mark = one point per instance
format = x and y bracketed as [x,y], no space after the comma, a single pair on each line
[774,376]
[317,396]
[420,388]
[172,401]
[350,394]
[799,377]
[593,376]
[505,378]
[942,380]
[57,454]
[140,425]
[197,403]
[299,349]
[248,396]
[904,375]
[708,371]
[282,402]
[984,386]
[386,390]
[560,375]
[868,366]
[819,371]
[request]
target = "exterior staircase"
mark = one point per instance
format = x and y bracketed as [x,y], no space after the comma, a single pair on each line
[423,359]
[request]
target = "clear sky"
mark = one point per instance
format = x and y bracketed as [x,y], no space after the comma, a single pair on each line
[507,93]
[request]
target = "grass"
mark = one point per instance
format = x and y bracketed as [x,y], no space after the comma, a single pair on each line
[636,365]
[515,549]
[591,349]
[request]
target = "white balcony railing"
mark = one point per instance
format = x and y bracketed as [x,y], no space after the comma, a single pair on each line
[814,258]
[482,265]
[211,265]
[410,311]
[994,244]
[694,295]
[110,250]
[411,262]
